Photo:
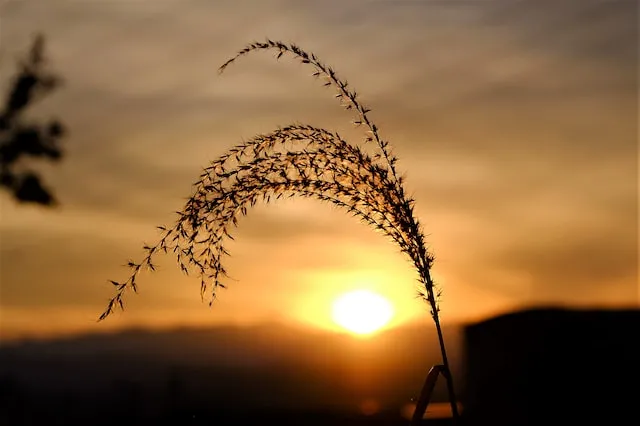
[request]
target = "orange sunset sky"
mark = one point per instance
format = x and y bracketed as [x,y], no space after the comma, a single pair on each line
[514,121]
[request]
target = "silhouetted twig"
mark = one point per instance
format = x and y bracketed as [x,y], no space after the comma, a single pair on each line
[19,139]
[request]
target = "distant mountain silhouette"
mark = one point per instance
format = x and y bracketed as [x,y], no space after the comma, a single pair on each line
[223,368]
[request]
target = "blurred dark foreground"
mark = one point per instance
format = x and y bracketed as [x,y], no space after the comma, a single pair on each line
[224,375]
[526,368]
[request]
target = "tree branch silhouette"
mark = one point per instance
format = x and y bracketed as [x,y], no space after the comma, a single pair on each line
[21,139]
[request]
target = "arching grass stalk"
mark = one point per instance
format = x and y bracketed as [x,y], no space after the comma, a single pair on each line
[296,160]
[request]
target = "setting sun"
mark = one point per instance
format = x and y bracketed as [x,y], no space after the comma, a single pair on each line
[362,311]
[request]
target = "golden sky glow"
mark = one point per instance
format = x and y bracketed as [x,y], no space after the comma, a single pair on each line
[515,122]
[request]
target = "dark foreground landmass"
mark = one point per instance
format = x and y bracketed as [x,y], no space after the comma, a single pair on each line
[526,368]
[226,375]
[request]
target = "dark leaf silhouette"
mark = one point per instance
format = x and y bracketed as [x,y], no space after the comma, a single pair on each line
[30,189]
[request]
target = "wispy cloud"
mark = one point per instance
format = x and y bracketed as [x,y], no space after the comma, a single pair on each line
[516,122]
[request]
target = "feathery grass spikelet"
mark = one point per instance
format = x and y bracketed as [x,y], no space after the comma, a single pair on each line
[295,160]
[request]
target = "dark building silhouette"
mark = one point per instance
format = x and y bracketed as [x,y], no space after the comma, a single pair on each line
[554,366]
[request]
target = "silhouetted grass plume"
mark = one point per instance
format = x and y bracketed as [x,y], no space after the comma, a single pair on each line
[295,160]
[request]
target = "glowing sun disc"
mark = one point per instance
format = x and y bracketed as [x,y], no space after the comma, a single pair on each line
[362,311]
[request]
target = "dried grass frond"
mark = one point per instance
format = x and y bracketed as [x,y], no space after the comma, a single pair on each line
[296,160]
